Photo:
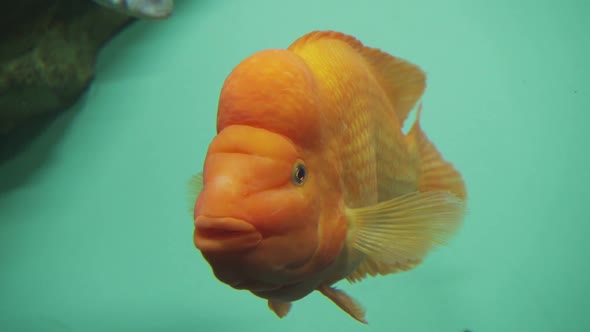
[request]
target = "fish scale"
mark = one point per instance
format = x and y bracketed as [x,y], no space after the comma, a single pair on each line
[358,159]
[396,165]
[340,191]
[375,163]
[354,140]
[394,86]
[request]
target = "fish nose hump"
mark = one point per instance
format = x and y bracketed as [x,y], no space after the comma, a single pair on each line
[224,235]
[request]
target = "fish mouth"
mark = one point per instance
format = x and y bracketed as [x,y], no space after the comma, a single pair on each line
[224,234]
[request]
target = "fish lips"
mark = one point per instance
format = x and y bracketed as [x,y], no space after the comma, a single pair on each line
[224,235]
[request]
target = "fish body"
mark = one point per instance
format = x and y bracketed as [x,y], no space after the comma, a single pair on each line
[146,9]
[310,178]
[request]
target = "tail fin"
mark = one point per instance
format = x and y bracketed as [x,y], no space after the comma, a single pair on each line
[435,172]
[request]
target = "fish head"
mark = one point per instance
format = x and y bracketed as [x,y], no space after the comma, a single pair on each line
[256,219]
[257,216]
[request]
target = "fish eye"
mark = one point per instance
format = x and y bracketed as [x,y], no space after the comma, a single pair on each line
[299,173]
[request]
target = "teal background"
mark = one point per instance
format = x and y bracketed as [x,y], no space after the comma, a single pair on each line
[95,233]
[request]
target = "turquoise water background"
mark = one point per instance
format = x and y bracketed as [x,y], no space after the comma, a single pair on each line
[95,233]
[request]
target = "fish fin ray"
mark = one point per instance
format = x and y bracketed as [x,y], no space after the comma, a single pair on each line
[397,234]
[435,173]
[403,82]
[195,185]
[281,309]
[345,302]
[373,267]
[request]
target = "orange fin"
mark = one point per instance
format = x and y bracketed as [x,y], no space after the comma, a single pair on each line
[435,173]
[281,309]
[403,82]
[345,302]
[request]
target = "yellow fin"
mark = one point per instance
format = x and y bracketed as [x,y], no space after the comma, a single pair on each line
[195,185]
[403,82]
[345,302]
[435,173]
[373,267]
[396,234]
[281,309]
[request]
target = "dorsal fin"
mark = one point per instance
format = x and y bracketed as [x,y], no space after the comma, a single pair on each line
[435,172]
[402,81]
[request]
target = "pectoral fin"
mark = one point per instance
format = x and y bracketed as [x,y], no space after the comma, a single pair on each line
[396,234]
[195,185]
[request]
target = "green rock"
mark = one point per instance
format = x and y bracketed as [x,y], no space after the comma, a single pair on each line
[48,50]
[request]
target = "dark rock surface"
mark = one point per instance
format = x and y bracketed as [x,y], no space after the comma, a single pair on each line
[47,54]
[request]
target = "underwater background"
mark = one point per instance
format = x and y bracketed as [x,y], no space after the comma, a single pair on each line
[95,229]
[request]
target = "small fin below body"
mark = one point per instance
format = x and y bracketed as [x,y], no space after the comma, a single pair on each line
[281,309]
[345,302]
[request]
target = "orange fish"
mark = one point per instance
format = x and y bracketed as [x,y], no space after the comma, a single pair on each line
[311,180]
